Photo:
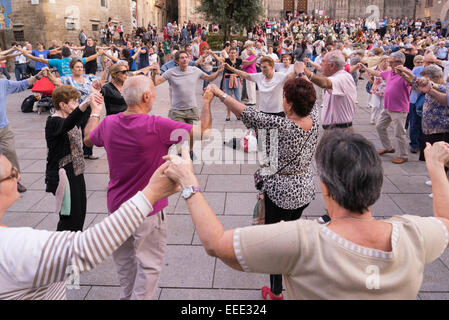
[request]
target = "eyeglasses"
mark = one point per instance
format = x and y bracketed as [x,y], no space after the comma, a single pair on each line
[14,175]
[123,71]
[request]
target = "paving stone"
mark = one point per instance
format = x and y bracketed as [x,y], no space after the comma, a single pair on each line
[436,277]
[180,229]
[416,204]
[241,204]
[221,169]
[104,293]
[385,206]
[209,294]
[23,219]
[97,202]
[228,278]
[215,200]
[230,183]
[411,184]
[434,295]
[229,223]
[191,265]
[50,222]
[27,200]
[103,275]
[78,294]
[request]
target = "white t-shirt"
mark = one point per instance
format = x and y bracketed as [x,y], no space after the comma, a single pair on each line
[270,92]
[279,67]
[273,56]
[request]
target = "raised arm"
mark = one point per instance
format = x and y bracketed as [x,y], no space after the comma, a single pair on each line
[242,74]
[374,73]
[96,103]
[213,76]
[250,62]
[216,241]
[29,56]
[320,81]
[437,157]
[95,56]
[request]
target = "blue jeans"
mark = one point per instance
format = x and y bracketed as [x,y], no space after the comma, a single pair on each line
[20,70]
[205,83]
[415,127]
[5,73]
[236,92]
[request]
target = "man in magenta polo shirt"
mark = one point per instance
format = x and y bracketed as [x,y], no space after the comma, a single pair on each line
[397,103]
[135,143]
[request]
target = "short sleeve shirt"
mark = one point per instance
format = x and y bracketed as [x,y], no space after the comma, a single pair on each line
[339,102]
[317,263]
[63,65]
[135,145]
[397,92]
[182,85]
[270,92]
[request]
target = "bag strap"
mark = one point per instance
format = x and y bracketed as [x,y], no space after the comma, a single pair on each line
[297,156]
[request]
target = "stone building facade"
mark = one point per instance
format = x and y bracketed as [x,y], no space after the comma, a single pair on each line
[350,9]
[433,10]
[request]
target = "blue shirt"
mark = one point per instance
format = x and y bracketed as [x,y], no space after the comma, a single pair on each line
[40,54]
[63,65]
[442,53]
[132,52]
[7,87]
[415,94]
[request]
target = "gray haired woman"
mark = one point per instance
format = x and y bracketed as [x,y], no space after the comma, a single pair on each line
[354,256]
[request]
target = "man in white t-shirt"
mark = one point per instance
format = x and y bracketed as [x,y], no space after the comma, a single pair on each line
[341,92]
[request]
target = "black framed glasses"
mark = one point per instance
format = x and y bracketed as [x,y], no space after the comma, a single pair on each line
[14,175]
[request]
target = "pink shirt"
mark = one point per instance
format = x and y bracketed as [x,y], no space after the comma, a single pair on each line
[135,145]
[252,67]
[339,102]
[397,92]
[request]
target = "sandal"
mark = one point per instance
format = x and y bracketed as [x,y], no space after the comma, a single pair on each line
[267,291]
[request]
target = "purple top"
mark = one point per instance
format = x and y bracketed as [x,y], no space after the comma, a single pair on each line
[397,92]
[252,67]
[135,145]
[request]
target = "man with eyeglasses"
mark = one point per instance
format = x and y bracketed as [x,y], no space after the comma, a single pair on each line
[7,143]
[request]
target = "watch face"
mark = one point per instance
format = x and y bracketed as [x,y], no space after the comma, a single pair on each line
[187,192]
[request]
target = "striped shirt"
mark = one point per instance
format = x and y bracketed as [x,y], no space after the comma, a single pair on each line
[35,264]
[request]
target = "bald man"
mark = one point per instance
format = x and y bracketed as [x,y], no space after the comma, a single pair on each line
[135,143]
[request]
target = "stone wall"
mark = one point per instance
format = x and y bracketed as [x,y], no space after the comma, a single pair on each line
[439,10]
[63,19]
[350,9]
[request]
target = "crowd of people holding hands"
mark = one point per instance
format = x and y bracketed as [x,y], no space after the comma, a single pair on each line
[294,64]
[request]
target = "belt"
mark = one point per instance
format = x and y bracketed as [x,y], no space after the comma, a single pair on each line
[338,125]
[291,174]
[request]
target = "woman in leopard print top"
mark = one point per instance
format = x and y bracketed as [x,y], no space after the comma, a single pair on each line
[292,144]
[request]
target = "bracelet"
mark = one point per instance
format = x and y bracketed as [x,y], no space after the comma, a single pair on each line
[94,115]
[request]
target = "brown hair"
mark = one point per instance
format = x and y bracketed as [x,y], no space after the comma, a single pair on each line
[301,94]
[268,60]
[64,94]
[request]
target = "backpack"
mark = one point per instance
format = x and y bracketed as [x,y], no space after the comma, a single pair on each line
[28,103]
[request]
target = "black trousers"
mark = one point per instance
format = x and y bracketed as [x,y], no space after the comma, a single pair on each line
[78,204]
[274,214]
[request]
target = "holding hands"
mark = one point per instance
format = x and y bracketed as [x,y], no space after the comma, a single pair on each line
[437,155]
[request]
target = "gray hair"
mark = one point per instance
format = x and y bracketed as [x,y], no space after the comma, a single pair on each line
[351,169]
[398,56]
[134,89]
[336,56]
[433,72]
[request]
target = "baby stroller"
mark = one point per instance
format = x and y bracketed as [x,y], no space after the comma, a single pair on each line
[44,89]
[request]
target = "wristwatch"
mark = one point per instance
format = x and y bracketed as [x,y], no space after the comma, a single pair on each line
[302,74]
[189,191]
[223,97]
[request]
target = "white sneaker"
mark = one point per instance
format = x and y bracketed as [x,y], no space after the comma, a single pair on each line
[431,195]
[429,183]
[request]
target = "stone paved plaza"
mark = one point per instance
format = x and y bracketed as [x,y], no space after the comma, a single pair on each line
[188,272]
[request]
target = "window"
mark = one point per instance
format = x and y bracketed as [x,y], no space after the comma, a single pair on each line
[103,3]
[429,3]
[19,35]
[95,27]
[70,25]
